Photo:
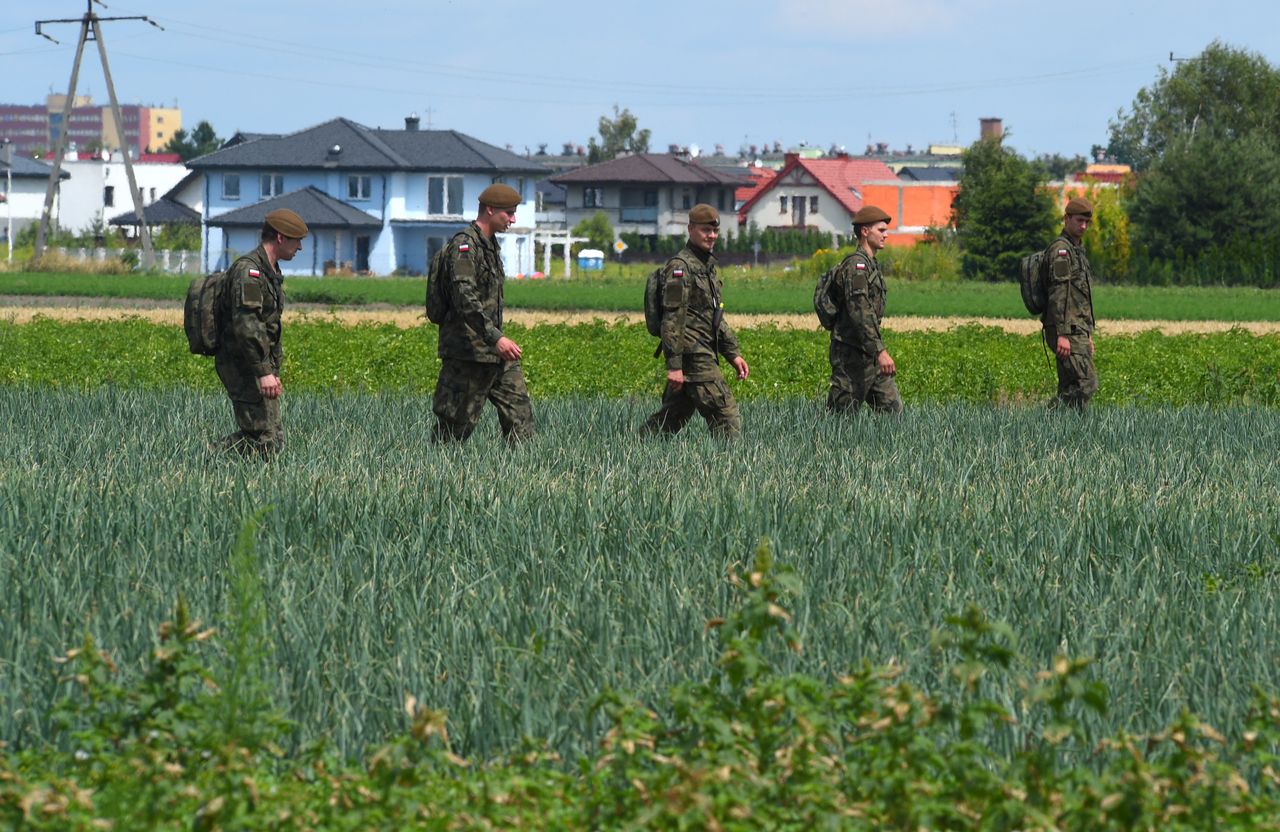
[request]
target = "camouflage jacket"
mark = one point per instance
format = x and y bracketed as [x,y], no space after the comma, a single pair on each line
[1069,310]
[474,326]
[253,301]
[861,294]
[693,328]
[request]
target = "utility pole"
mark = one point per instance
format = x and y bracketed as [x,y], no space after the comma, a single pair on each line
[91,29]
[8,191]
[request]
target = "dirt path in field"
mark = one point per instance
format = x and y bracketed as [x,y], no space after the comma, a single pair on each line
[21,309]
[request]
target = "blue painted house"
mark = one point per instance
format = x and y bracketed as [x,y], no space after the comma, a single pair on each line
[377,201]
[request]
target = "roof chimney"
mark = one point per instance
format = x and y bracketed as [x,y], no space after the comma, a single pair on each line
[412,121]
[992,128]
[789,159]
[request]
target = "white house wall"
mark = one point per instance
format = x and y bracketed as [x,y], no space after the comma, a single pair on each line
[24,203]
[81,198]
[831,216]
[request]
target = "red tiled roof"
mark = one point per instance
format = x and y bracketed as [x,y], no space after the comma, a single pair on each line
[838,176]
[759,178]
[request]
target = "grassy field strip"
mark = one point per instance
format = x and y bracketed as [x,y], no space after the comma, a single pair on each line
[407,319]
[511,587]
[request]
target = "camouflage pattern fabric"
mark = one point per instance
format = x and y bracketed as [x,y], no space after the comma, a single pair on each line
[249,348]
[856,341]
[476,279]
[1069,312]
[693,328]
[463,388]
[711,398]
[856,380]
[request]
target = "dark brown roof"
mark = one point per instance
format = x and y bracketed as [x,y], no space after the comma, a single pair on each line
[652,169]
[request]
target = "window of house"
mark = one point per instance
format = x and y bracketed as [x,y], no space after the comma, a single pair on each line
[686,200]
[151,195]
[592,197]
[109,195]
[782,205]
[720,200]
[272,185]
[813,205]
[231,186]
[359,186]
[444,195]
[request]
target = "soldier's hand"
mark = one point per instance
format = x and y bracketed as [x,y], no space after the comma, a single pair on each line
[269,386]
[885,363]
[675,379]
[740,364]
[1062,349]
[508,350]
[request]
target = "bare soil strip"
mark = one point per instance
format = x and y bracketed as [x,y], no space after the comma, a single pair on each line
[170,313]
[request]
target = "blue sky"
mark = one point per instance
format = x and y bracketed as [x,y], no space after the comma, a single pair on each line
[820,72]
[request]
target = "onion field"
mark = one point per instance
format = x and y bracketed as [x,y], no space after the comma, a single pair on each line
[510,588]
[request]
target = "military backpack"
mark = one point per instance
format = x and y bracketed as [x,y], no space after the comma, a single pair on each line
[1031,281]
[823,302]
[202,313]
[653,302]
[438,306]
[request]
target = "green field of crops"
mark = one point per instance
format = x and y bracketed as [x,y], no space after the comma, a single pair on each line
[971,363]
[510,588]
[745,292]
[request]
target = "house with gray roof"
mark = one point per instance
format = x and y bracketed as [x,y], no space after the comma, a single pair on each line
[649,193]
[24,202]
[377,201]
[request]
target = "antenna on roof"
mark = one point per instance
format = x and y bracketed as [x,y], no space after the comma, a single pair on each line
[91,29]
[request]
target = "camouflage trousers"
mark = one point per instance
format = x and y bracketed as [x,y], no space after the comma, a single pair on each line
[856,380]
[261,431]
[464,386]
[1077,379]
[711,398]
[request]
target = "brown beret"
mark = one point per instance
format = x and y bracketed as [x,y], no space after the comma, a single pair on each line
[869,214]
[287,223]
[502,197]
[1080,205]
[703,214]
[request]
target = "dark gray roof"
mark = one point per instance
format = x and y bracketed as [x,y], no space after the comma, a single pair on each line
[317,209]
[364,149]
[552,193]
[163,211]
[913,173]
[650,168]
[24,168]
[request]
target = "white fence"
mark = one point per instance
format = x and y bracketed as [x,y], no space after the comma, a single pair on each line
[172,261]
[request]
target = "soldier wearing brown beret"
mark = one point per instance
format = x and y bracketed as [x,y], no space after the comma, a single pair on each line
[694,335]
[862,371]
[1068,315]
[249,352]
[478,362]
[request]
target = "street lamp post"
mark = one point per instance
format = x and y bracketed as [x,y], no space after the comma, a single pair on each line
[8,191]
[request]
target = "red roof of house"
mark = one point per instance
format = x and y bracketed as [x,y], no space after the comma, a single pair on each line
[839,176]
[759,177]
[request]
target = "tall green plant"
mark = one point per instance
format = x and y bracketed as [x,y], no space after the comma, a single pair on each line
[1001,212]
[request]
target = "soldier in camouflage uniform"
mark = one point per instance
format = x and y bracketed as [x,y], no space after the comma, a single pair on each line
[1068,315]
[694,333]
[862,371]
[249,353]
[477,361]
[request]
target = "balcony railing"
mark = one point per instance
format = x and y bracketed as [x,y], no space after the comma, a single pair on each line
[640,214]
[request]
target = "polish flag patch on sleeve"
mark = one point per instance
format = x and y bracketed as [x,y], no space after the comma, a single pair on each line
[254,273]
[464,248]
[862,267]
[1062,252]
[677,273]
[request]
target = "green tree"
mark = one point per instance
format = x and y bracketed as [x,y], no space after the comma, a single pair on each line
[618,135]
[1108,242]
[1057,166]
[597,230]
[198,142]
[1225,92]
[1002,210]
[1204,193]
